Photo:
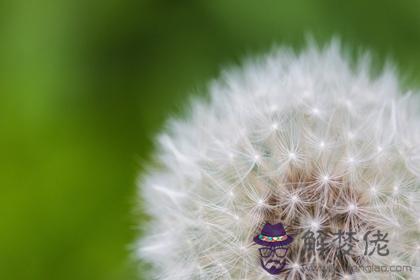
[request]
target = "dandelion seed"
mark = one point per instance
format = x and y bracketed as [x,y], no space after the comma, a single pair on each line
[295,266]
[273,108]
[346,276]
[315,225]
[230,156]
[274,126]
[373,190]
[315,111]
[352,208]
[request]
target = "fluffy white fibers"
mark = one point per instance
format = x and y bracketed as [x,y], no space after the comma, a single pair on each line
[306,140]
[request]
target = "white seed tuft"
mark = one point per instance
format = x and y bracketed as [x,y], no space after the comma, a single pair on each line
[305,140]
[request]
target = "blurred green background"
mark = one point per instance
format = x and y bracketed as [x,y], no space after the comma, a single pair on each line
[85,85]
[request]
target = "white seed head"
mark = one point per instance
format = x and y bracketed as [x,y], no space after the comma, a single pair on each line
[305,140]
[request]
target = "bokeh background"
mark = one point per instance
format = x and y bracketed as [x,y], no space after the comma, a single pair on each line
[84,86]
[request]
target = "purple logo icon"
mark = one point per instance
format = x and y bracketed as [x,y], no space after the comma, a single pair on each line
[275,243]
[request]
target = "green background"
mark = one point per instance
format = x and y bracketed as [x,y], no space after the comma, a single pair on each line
[85,85]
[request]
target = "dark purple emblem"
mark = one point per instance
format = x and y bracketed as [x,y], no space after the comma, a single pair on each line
[275,241]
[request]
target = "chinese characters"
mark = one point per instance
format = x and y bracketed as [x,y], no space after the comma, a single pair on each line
[320,242]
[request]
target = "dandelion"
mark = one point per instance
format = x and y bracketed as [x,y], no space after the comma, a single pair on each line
[304,140]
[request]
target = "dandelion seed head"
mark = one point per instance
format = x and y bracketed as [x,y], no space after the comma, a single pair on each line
[290,138]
